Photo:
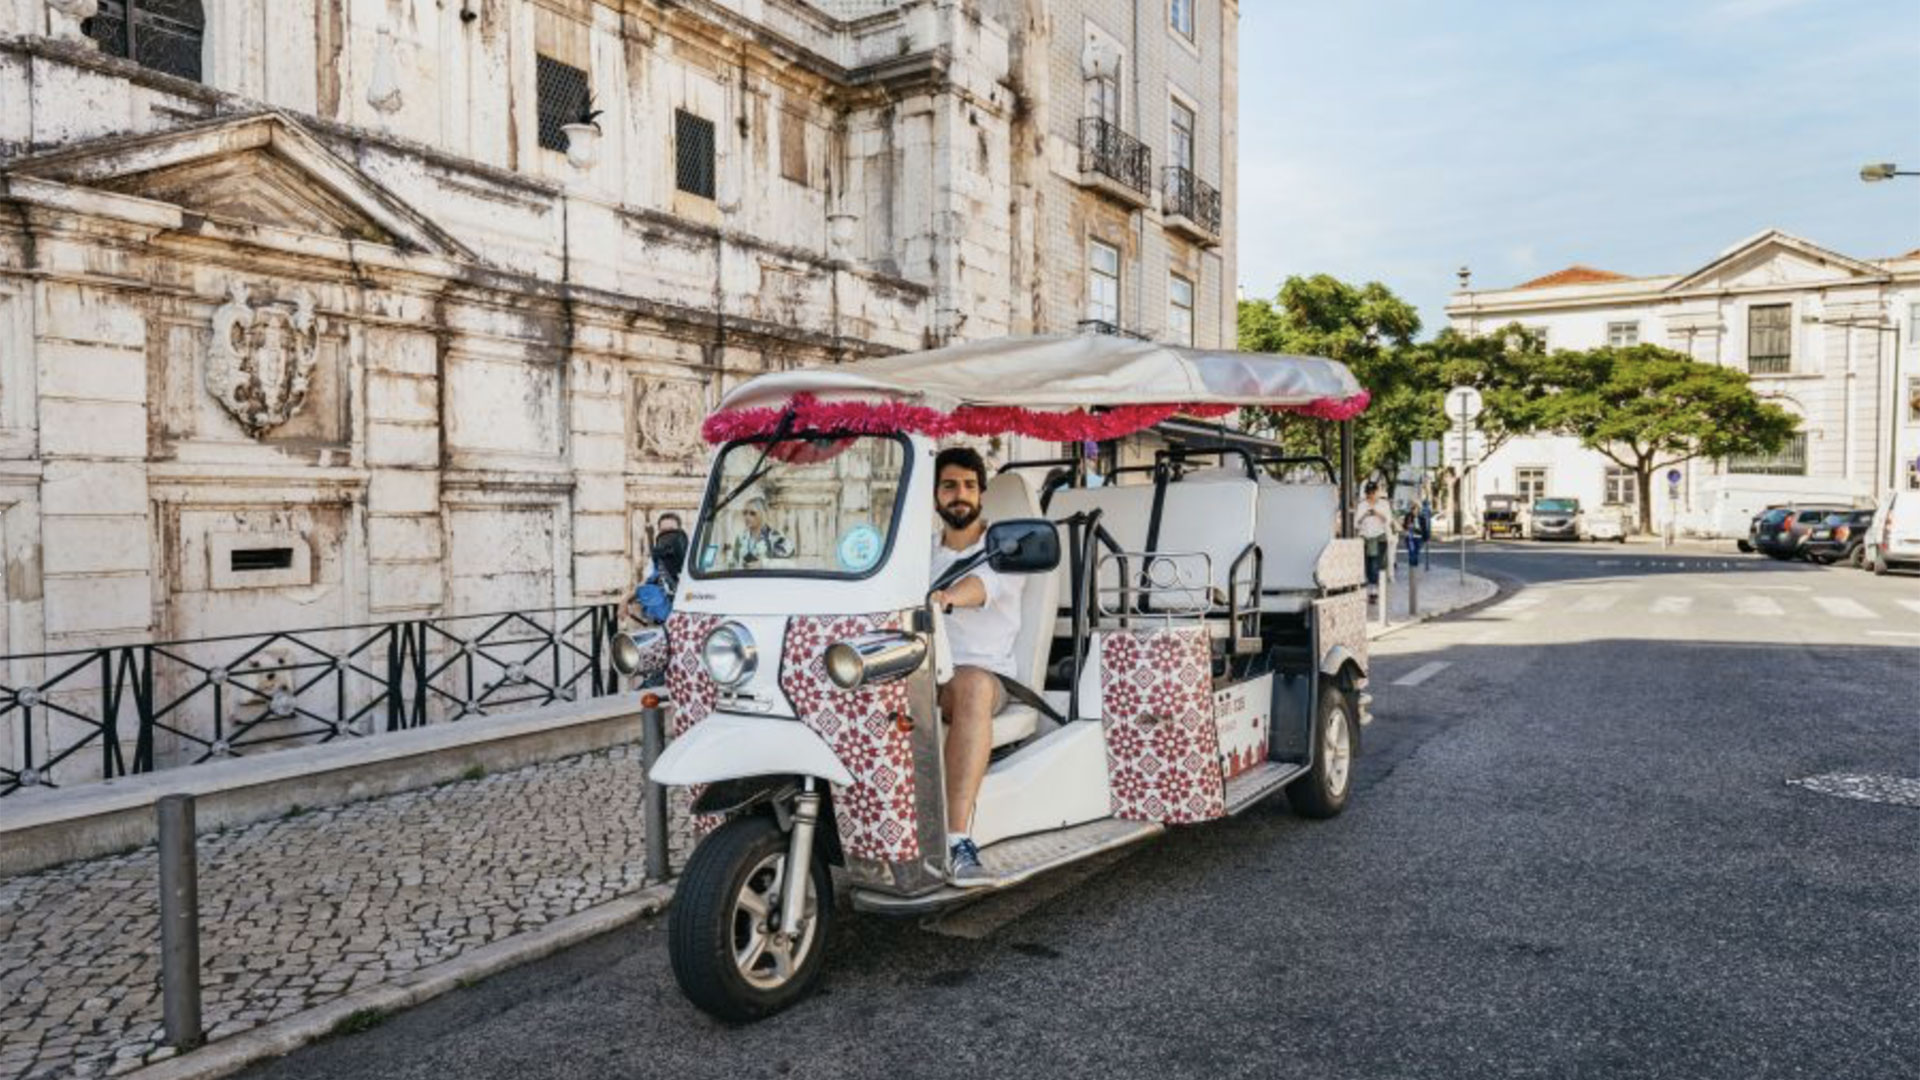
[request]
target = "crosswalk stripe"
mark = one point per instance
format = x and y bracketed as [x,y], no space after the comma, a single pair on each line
[1911,605]
[1422,673]
[1673,605]
[1595,602]
[1841,607]
[1757,605]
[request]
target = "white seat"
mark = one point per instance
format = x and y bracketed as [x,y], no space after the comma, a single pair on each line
[1210,513]
[1009,497]
[1295,523]
[1125,512]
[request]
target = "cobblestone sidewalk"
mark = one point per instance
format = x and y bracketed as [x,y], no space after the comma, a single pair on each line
[297,911]
[1441,591]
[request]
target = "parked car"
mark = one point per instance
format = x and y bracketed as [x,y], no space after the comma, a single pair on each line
[1609,523]
[1837,537]
[1556,519]
[1778,532]
[1501,517]
[1893,537]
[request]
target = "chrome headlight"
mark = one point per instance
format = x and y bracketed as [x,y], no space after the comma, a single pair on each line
[640,652]
[729,654]
[871,659]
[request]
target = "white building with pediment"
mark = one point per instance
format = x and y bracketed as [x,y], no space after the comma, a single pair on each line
[1832,338]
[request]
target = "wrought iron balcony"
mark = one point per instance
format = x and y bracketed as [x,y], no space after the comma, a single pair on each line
[1114,161]
[1192,205]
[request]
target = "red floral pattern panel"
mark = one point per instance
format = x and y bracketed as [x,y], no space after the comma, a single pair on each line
[1156,704]
[875,815]
[691,688]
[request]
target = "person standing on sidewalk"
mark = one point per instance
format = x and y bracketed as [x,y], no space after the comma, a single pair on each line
[1374,522]
[1418,527]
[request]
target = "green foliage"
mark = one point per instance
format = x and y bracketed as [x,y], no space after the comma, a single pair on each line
[360,1020]
[1648,408]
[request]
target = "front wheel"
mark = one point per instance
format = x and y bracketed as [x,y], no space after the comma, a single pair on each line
[1322,793]
[723,929]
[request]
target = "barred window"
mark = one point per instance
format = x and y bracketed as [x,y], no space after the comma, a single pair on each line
[693,154]
[561,96]
[1769,339]
[1789,460]
[164,35]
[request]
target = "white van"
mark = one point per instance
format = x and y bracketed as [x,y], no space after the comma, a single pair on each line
[1893,540]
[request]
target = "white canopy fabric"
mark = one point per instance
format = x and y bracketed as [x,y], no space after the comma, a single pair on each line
[1063,371]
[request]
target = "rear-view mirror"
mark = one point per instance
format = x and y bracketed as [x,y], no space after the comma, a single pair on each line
[1023,546]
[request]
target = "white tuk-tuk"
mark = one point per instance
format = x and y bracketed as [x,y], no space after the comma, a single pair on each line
[1189,644]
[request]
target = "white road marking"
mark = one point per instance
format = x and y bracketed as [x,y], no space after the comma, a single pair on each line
[1606,562]
[1911,605]
[1757,605]
[1841,607]
[1673,605]
[1894,633]
[1422,673]
[1594,602]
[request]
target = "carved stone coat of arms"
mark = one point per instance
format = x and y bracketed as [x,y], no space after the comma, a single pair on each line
[260,364]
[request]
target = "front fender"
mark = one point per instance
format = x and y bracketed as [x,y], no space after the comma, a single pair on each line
[726,746]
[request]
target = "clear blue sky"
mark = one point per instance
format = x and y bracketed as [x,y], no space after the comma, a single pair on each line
[1395,140]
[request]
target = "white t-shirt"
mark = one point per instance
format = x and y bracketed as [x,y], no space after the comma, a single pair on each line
[983,637]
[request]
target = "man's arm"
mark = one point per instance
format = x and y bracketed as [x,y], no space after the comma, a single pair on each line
[972,591]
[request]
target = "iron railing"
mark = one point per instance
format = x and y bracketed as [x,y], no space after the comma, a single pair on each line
[1192,198]
[68,717]
[1110,152]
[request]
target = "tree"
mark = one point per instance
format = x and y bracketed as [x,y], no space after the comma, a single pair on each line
[1370,330]
[1647,408]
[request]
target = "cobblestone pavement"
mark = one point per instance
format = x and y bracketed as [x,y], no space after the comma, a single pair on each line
[309,907]
[1441,591]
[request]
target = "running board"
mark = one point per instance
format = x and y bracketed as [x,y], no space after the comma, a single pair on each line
[1015,861]
[1259,782]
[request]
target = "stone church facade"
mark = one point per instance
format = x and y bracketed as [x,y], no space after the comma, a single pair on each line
[321,312]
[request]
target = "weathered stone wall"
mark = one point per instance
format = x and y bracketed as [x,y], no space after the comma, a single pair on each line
[327,337]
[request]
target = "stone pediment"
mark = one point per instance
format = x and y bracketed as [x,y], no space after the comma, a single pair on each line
[257,170]
[1776,260]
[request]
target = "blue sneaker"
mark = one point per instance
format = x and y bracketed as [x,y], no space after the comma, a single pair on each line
[964,858]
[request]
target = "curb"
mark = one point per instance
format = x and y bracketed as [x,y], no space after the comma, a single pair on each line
[1427,616]
[230,1055]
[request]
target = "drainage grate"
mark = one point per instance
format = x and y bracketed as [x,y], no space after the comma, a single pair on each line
[1894,790]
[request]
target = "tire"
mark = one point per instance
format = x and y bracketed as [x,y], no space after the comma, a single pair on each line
[1323,792]
[1782,556]
[1879,563]
[708,924]
[1858,558]
[1745,547]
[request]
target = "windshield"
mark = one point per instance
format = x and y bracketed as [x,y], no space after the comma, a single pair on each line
[807,505]
[1556,506]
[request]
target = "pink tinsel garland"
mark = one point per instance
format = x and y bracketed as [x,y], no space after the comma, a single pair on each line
[887,417]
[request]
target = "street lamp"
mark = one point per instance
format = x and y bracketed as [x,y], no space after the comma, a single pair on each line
[1884,170]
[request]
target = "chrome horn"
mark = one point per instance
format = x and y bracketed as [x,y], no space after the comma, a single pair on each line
[640,652]
[872,659]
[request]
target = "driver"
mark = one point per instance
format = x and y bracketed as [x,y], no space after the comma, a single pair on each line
[758,541]
[983,622]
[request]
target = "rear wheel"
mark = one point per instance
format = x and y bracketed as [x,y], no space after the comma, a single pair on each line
[1322,793]
[1858,558]
[723,929]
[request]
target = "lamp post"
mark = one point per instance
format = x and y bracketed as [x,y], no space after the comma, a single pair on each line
[1874,172]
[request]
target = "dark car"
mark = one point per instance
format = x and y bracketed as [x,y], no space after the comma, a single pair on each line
[1778,532]
[1837,537]
[1556,519]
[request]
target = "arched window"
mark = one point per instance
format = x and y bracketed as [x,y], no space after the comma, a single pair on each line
[163,35]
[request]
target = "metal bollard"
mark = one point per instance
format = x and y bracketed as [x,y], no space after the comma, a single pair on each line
[1413,588]
[179,923]
[653,741]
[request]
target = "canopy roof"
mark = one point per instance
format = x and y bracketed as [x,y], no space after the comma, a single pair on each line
[1043,386]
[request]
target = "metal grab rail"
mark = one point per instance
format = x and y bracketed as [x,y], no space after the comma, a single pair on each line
[217,697]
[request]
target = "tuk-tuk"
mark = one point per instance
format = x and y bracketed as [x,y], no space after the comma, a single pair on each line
[1500,516]
[1192,636]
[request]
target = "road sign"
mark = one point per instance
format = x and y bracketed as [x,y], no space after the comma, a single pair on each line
[1463,404]
[1673,476]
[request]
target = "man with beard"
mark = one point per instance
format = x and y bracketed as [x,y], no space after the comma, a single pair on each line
[983,622]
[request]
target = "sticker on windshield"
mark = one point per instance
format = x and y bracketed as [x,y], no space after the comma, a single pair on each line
[860,548]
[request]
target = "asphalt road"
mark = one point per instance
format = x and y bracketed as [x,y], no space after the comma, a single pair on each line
[1574,851]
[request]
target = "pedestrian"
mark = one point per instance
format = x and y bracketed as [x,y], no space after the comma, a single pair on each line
[653,598]
[1374,522]
[1418,527]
